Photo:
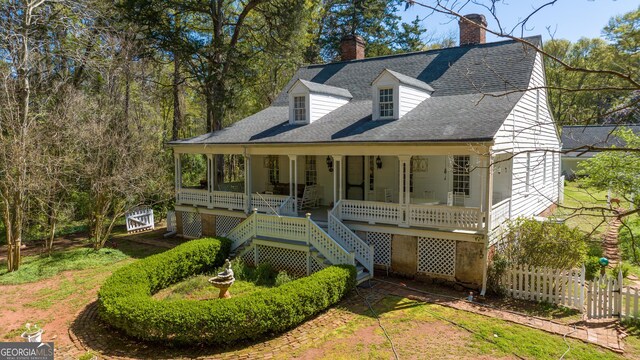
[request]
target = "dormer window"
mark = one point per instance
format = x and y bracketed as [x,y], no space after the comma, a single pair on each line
[395,94]
[299,109]
[385,102]
[309,101]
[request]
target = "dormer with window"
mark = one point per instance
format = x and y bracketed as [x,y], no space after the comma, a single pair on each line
[395,94]
[309,101]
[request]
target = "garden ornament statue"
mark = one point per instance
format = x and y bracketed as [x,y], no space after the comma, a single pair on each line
[224,280]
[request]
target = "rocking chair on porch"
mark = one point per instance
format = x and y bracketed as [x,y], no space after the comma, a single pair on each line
[309,198]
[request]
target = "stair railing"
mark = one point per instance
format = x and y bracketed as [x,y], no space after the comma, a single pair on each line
[339,231]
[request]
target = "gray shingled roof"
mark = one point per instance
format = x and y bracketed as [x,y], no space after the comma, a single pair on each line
[457,111]
[577,136]
[325,89]
[408,80]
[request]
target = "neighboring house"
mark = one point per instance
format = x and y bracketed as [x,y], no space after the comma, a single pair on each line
[407,162]
[577,139]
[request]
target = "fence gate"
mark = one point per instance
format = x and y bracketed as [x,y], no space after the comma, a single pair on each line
[140,219]
[604,298]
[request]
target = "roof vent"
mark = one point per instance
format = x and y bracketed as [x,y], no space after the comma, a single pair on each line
[471,29]
[352,48]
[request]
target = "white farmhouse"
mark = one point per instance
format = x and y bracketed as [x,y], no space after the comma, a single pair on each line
[407,163]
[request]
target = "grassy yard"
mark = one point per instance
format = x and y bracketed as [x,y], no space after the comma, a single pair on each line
[420,330]
[54,299]
[578,197]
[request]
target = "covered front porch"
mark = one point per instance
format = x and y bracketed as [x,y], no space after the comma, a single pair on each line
[440,191]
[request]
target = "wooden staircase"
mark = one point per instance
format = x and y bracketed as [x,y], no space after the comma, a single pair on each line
[303,233]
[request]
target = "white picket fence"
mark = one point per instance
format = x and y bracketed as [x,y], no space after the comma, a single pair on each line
[603,297]
[140,219]
[172,224]
[561,287]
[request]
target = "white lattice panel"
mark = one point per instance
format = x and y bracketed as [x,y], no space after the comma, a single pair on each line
[316,265]
[224,224]
[436,256]
[248,257]
[381,247]
[293,262]
[191,225]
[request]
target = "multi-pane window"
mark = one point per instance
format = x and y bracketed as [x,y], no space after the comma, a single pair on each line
[310,174]
[461,176]
[299,109]
[385,102]
[274,169]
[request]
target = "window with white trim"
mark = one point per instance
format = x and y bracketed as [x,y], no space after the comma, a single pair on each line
[274,169]
[310,174]
[299,109]
[385,103]
[461,176]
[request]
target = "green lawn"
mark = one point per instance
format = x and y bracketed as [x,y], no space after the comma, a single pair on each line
[578,197]
[420,330]
[34,268]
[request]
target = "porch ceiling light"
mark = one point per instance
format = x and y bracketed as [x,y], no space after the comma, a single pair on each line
[330,163]
[379,162]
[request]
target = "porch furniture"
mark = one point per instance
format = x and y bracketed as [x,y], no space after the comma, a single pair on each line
[428,194]
[283,189]
[309,198]
[424,201]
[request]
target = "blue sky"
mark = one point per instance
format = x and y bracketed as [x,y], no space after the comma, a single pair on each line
[568,19]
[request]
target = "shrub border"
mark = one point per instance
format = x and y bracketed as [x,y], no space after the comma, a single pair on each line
[125,299]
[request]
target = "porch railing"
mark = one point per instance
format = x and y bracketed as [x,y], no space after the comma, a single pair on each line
[500,212]
[446,217]
[439,216]
[196,197]
[228,200]
[267,203]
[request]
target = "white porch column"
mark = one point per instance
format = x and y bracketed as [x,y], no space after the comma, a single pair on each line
[177,176]
[404,195]
[210,178]
[487,215]
[293,180]
[247,182]
[337,178]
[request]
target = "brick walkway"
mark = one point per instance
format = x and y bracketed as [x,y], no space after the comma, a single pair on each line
[610,241]
[89,333]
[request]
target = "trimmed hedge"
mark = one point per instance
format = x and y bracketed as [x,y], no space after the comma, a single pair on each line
[125,299]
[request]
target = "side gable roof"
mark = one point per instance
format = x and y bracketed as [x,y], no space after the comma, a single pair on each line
[576,136]
[457,111]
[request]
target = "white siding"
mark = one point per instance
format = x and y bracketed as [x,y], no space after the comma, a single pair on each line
[530,129]
[321,105]
[410,98]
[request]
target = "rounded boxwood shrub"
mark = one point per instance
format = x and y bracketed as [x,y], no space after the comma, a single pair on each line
[126,302]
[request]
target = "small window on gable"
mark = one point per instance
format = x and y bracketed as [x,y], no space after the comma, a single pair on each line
[299,109]
[385,102]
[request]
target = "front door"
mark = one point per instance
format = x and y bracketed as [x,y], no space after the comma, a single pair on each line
[355,177]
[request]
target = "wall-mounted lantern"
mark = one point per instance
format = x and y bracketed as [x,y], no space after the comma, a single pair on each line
[329,163]
[379,162]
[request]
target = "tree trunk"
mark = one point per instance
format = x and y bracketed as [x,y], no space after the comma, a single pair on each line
[178,101]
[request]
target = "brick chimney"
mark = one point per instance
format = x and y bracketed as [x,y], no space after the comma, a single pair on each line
[351,48]
[470,33]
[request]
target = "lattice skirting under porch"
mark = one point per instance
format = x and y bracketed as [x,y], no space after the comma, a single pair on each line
[224,224]
[191,225]
[436,256]
[381,247]
[293,262]
[315,265]
[248,256]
